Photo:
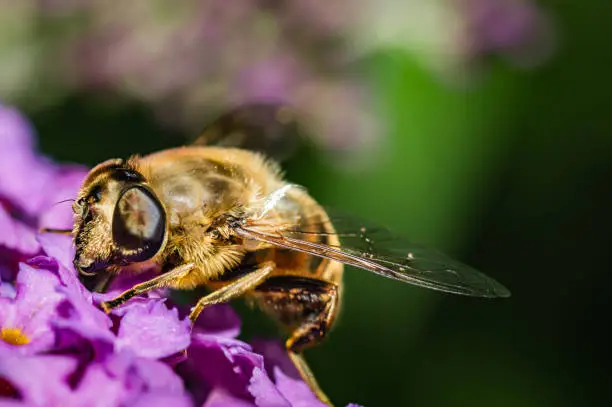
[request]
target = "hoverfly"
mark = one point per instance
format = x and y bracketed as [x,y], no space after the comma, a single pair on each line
[223,217]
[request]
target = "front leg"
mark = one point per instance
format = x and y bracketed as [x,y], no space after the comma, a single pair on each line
[163,280]
[56,231]
[233,290]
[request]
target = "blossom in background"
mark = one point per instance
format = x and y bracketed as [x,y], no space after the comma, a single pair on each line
[453,38]
[518,30]
[58,348]
[30,188]
[194,60]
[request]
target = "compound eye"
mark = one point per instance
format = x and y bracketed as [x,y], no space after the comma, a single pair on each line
[139,224]
[95,195]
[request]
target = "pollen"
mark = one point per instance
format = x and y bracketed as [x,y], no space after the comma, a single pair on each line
[14,336]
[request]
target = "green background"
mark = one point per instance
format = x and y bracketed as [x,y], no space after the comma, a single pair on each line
[511,175]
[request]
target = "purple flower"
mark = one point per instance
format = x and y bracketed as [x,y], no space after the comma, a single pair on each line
[58,348]
[26,319]
[36,380]
[152,330]
[518,30]
[123,379]
[280,49]
[235,371]
[50,313]
[31,185]
[285,375]
[7,290]
[17,236]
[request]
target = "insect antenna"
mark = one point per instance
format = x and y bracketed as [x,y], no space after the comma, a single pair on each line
[64,201]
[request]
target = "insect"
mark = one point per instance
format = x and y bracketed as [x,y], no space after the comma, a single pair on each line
[225,218]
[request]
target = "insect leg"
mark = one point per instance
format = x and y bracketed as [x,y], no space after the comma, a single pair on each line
[233,289]
[302,367]
[56,231]
[162,280]
[308,307]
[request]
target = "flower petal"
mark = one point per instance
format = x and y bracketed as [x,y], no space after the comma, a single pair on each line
[220,362]
[146,380]
[21,172]
[295,390]
[275,355]
[16,236]
[218,320]
[33,308]
[163,400]
[152,330]
[264,391]
[220,397]
[41,380]
[56,210]
[98,389]
[159,377]
[59,247]
[7,290]
[89,341]
[77,305]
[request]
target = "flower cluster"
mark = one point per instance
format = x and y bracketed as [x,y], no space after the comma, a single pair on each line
[194,58]
[519,31]
[57,348]
[455,38]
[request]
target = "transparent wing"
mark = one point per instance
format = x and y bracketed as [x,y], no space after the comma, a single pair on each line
[269,128]
[378,250]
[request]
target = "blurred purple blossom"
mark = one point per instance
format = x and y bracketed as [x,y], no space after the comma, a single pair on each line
[519,30]
[17,236]
[193,60]
[453,38]
[58,348]
[31,185]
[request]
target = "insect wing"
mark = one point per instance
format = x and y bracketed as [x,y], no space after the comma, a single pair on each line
[269,128]
[376,249]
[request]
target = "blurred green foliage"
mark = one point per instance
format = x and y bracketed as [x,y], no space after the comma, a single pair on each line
[510,175]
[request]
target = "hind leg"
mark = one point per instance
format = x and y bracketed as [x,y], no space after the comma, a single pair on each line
[308,307]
